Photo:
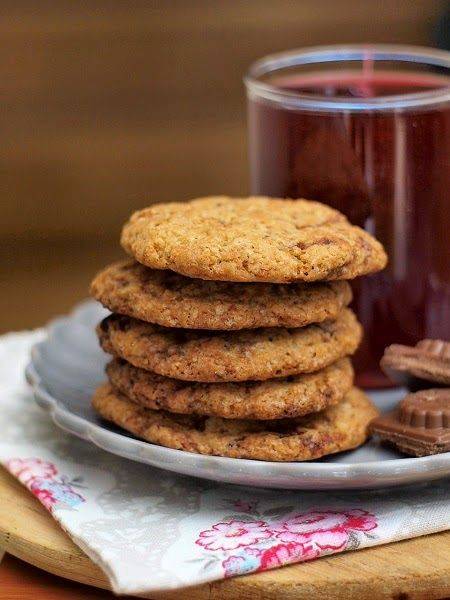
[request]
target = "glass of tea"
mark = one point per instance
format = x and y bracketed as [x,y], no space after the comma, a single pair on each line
[366,129]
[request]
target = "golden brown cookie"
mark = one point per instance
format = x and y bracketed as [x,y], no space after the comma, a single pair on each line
[244,355]
[251,239]
[273,399]
[172,300]
[335,429]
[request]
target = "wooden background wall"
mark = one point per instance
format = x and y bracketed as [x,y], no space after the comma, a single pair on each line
[107,106]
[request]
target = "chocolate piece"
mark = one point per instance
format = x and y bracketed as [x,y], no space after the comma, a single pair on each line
[420,425]
[418,367]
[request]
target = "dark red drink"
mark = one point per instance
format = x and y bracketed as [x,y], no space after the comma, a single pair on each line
[375,145]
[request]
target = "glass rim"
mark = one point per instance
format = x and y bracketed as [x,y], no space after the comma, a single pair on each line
[346,52]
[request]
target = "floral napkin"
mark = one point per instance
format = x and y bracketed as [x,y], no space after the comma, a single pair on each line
[151,530]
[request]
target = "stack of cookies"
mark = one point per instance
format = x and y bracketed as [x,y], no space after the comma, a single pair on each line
[230,329]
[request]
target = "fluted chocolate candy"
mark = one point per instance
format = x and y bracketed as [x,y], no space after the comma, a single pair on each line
[418,367]
[420,425]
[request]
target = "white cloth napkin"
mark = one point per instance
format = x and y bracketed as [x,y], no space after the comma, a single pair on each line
[151,531]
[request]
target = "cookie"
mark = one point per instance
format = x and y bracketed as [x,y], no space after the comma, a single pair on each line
[172,300]
[340,427]
[244,355]
[251,239]
[274,399]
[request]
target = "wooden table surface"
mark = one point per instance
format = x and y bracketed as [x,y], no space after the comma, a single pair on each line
[21,581]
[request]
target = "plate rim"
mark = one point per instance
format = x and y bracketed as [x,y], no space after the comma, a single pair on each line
[339,470]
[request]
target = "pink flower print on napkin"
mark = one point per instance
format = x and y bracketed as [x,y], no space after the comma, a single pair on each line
[247,546]
[44,496]
[29,468]
[40,477]
[319,531]
[247,561]
[233,534]
[283,554]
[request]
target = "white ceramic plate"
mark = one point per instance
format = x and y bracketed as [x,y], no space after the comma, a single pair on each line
[67,366]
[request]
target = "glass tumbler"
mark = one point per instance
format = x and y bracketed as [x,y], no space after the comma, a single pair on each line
[366,129]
